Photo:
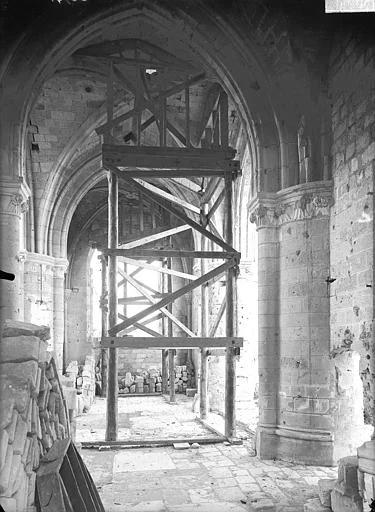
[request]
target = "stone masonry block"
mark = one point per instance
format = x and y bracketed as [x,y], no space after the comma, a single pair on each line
[8,504]
[22,348]
[343,503]
[347,473]
[261,505]
[13,328]
[6,470]
[11,428]
[4,439]
[325,486]
[314,505]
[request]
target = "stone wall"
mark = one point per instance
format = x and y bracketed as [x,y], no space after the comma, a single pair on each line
[33,411]
[352,89]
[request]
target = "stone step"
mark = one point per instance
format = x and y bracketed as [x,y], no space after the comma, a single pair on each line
[314,505]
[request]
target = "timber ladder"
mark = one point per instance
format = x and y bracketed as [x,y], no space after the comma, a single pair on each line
[211,160]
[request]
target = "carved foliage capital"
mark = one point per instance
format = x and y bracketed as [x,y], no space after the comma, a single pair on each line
[277,209]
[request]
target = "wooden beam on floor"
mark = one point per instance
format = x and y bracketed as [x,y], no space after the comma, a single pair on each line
[153,442]
[169,158]
[172,297]
[112,388]
[159,342]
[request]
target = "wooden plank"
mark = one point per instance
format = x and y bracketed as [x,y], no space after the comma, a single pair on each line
[209,105]
[109,49]
[168,253]
[187,116]
[188,184]
[133,300]
[169,342]
[224,131]
[161,270]
[130,135]
[216,204]
[142,327]
[230,361]
[210,189]
[174,211]
[149,173]
[134,327]
[170,197]
[168,158]
[172,297]
[218,318]
[109,103]
[153,235]
[165,311]
[112,388]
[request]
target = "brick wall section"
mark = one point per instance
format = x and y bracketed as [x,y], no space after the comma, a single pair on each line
[351,231]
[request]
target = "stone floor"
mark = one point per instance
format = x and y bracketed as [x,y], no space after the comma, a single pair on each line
[212,478]
[146,418]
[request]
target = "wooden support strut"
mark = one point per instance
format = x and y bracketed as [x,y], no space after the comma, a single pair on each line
[204,326]
[112,388]
[172,297]
[174,211]
[144,292]
[230,361]
[104,352]
[164,355]
[172,351]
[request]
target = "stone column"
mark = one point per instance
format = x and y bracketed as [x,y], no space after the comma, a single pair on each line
[297,401]
[268,339]
[247,365]
[59,269]
[14,195]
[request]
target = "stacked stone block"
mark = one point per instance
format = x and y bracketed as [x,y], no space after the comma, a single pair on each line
[184,378]
[32,411]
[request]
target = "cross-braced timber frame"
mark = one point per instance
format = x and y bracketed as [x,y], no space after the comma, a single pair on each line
[213,162]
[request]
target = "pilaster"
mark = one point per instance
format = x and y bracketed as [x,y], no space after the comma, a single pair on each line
[296,396]
[14,202]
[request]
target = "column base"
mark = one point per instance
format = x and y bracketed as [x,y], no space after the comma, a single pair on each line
[300,447]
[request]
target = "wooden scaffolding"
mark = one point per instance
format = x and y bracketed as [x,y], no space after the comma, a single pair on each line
[212,161]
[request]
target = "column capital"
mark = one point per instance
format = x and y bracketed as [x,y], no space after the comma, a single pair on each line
[58,265]
[14,196]
[300,202]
